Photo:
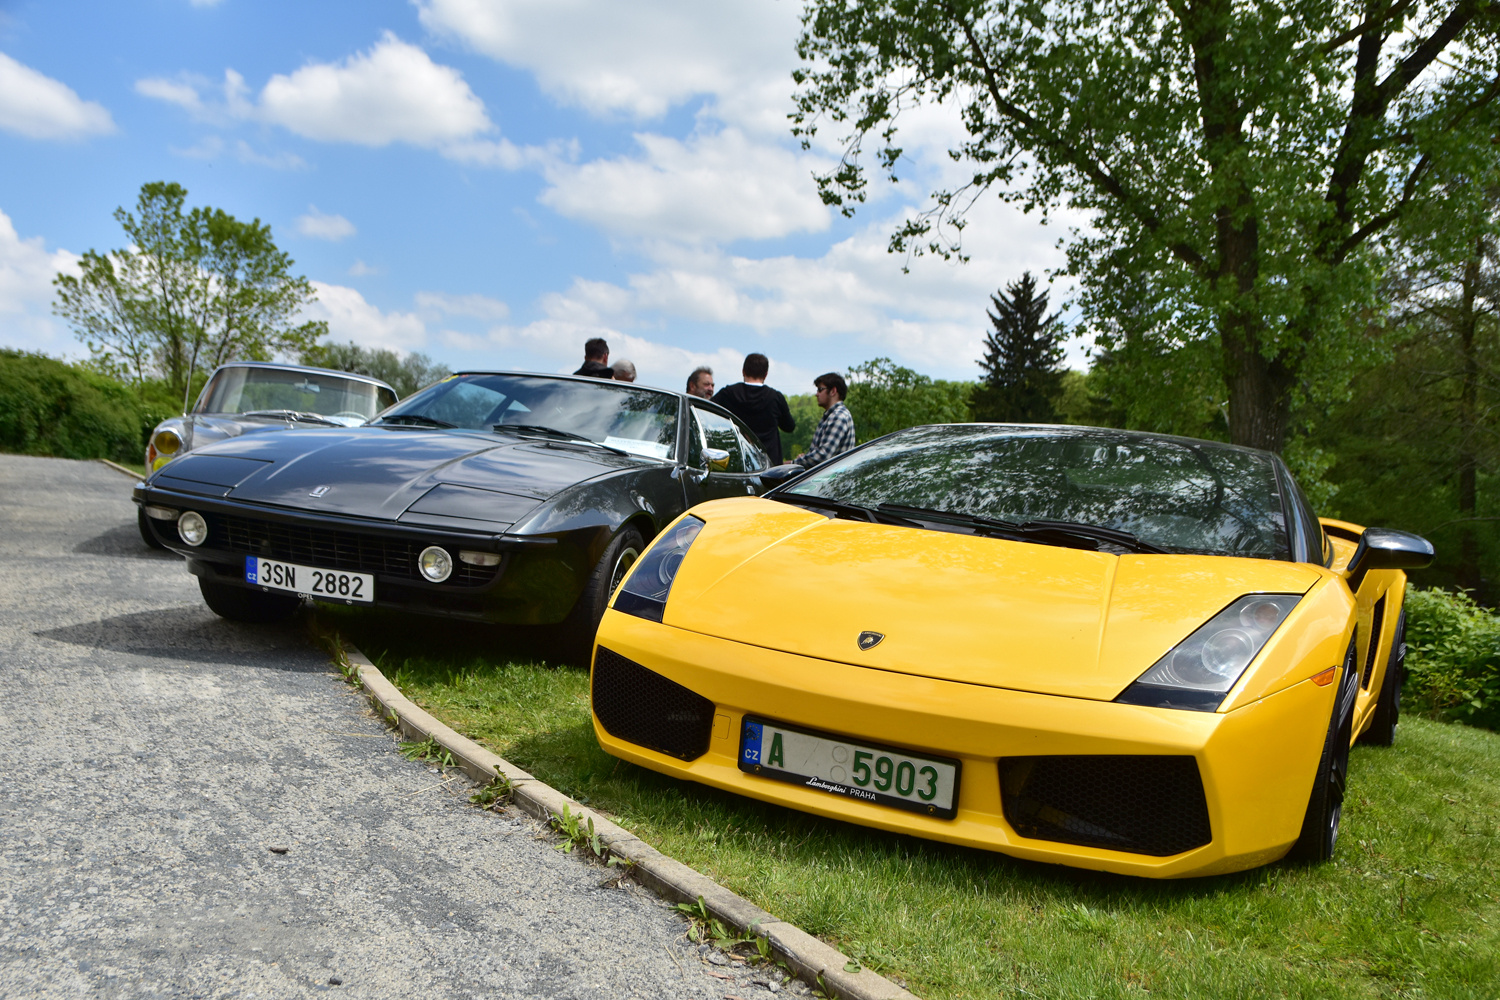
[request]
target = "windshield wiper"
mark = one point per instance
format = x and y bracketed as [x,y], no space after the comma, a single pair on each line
[1098,532]
[303,415]
[1073,534]
[395,418]
[560,434]
[874,515]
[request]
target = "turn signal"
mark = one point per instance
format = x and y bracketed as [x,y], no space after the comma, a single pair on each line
[1325,678]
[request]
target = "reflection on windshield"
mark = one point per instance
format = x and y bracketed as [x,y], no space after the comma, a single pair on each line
[1177,495]
[614,414]
[281,390]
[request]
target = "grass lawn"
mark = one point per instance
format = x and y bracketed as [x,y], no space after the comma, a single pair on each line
[137,467]
[1410,906]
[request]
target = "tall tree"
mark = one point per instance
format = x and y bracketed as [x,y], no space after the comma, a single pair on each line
[1241,163]
[192,290]
[1022,360]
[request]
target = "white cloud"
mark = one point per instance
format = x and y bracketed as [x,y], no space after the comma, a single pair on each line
[717,187]
[318,226]
[26,272]
[393,93]
[359,269]
[182,92]
[212,147]
[350,317]
[639,58]
[475,306]
[40,107]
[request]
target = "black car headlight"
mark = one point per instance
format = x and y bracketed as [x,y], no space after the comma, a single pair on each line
[644,593]
[1197,672]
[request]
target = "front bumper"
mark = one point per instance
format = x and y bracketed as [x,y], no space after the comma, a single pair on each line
[1256,763]
[535,582]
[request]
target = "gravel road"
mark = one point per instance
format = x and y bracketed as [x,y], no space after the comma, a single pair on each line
[157,760]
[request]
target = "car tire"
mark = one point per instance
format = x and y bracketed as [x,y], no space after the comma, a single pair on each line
[1387,714]
[147,535]
[1320,825]
[575,635]
[240,604]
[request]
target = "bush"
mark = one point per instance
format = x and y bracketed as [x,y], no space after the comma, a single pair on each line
[1453,657]
[49,407]
[885,397]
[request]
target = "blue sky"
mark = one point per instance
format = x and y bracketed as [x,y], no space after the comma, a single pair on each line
[490,182]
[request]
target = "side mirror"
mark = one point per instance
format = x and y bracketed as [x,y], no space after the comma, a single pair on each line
[717,459]
[778,474]
[1386,548]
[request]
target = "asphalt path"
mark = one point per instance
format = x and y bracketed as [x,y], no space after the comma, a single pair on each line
[156,761]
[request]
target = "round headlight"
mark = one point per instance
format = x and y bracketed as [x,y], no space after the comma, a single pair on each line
[435,563]
[1226,653]
[167,442]
[192,528]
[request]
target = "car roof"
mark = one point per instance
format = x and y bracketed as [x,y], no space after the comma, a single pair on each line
[356,376]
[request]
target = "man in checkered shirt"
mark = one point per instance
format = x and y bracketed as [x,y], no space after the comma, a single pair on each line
[835,433]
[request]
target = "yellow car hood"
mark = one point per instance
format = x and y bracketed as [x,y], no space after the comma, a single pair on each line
[952,606]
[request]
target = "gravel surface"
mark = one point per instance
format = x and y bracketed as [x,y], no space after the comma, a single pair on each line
[195,808]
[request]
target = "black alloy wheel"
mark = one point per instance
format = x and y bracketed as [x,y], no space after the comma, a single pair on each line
[1325,806]
[147,535]
[240,604]
[575,636]
[1387,714]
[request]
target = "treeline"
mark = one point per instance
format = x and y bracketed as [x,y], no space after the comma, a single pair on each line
[49,407]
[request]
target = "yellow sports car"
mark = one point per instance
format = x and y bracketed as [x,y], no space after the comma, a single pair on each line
[1101,648]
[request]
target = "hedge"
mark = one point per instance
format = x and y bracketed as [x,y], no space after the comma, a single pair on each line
[49,407]
[1452,658]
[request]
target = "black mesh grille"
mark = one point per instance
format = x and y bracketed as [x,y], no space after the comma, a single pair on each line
[639,706]
[328,549]
[1142,804]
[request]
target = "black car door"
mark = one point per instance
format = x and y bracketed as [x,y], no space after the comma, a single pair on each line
[721,460]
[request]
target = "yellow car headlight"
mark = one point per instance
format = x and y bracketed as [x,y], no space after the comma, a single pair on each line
[1197,672]
[644,593]
[167,441]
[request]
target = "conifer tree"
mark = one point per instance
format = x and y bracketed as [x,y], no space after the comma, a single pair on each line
[1022,360]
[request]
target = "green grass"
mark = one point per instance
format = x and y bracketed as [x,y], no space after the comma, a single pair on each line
[137,467]
[1409,908]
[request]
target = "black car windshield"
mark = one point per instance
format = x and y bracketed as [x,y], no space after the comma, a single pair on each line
[613,414]
[279,392]
[1173,494]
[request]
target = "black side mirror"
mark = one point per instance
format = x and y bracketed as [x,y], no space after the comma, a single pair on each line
[1386,548]
[778,474]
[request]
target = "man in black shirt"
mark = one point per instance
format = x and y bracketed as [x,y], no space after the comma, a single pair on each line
[762,408]
[596,359]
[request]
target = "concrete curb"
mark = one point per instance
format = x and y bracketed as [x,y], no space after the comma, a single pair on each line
[807,956]
[120,468]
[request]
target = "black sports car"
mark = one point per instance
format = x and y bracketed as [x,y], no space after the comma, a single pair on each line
[493,496]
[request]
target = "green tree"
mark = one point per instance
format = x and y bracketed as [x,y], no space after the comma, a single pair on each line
[1022,360]
[404,374]
[1243,165]
[807,413]
[192,290]
[885,397]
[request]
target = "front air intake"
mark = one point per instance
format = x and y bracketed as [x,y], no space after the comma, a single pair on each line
[1142,804]
[643,707]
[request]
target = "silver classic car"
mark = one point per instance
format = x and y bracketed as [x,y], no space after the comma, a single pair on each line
[248,397]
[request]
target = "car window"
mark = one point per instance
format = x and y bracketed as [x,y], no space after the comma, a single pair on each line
[720,432]
[755,459]
[247,389]
[639,421]
[1173,493]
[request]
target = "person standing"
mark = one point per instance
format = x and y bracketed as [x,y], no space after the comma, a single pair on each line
[835,433]
[624,371]
[762,408]
[596,359]
[701,382]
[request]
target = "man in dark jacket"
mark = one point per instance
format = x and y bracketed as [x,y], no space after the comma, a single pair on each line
[762,408]
[596,359]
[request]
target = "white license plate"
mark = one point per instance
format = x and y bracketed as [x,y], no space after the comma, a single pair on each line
[862,772]
[323,584]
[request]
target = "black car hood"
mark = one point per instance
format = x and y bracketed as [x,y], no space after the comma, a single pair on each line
[391,472]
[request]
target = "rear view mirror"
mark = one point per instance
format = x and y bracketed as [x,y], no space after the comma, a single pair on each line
[1386,548]
[778,474]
